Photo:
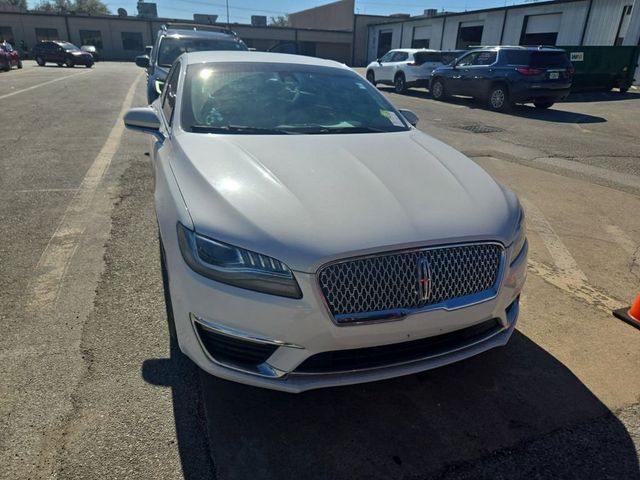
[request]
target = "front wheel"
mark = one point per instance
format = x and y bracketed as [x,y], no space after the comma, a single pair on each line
[371,78]
[399,83]
[89,65]
[624,89]
[499,98]
[437,89]
[543,105]
[19,64]
[69,63]
[40,61]
[7,67]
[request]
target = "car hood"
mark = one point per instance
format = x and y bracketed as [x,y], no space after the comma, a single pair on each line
[310,199]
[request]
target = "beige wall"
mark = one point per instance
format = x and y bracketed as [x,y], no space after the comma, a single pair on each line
[329,43]
[333,16]
[361,36]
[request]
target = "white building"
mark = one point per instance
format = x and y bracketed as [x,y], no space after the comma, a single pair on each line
[559,22]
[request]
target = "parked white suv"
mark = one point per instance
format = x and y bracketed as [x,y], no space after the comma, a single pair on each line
[408,67]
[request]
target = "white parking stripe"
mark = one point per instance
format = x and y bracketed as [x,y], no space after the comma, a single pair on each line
[562,258]
[7,95]
[566,274]
[51,268]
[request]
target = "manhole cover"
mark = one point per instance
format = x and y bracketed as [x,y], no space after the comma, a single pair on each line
[481,129]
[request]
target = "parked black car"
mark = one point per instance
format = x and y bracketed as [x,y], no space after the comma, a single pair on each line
[172,40]
[503,76]
[61,53]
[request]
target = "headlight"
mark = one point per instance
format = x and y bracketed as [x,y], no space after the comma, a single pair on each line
[521,237]
[236,266]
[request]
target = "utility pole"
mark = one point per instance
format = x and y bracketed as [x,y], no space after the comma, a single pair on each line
[227,13]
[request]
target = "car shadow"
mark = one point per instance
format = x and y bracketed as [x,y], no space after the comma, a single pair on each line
[611,96]
[182,376]
[554,114]
[411,427]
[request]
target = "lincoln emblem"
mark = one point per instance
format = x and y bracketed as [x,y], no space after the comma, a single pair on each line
[424,279]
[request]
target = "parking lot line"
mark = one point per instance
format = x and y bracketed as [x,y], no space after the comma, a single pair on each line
[53,263]
[7,95]
[565,274]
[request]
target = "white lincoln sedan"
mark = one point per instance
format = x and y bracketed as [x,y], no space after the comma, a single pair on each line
[311,236]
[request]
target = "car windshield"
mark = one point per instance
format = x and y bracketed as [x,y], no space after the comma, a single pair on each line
[172,47]
[68,46]
[275,98]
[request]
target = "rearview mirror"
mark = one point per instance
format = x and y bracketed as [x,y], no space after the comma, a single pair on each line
[145,120]
[142,61]
[409,116]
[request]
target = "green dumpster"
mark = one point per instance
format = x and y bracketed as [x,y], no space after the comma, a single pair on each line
[603,68]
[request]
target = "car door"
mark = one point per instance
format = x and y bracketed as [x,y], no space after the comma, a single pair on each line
[454,82]
[476,78]
[383,69]
[398,61]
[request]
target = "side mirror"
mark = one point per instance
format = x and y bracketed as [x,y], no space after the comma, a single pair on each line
[378,60]
[145,120]
[409,116]
[142,61]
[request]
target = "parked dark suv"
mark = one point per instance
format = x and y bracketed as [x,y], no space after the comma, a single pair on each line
[176,38]
[61,53]
[506,75]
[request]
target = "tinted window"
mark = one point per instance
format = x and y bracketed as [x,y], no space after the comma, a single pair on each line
[387,57]
[549,59]
[400,57]
[485,58]
[448,57]
[515,57]
[422,57]
[171,48]
[468,59]
[169,92]
[283,98]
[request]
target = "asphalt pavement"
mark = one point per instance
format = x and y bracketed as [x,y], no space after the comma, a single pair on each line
[91,387]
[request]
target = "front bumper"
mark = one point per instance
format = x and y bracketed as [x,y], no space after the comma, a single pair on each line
[295,330]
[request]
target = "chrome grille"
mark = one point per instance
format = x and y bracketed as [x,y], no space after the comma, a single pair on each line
[357,289]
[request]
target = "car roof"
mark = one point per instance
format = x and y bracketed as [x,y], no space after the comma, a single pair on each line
[412,50]
[540,48]
[263,57]
[193,33]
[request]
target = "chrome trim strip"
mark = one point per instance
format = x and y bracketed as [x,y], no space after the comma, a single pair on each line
[234,333]
[408,362]
[369,318]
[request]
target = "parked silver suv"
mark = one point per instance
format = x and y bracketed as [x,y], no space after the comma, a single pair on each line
[408,67]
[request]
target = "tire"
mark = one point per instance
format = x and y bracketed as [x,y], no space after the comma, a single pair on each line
[19,64]
[498,99]
[371,77]
[624,89]
[7,67]
[171,323]
[400,83]
[40,61]
[69,63]
[60,64]
[437,89]
[543,105]
[89,65]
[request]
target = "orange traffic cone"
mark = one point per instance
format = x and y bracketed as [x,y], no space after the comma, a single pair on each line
[632,315]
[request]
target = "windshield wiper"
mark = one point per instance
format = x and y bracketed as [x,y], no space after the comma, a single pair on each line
[239,129]
[331,130]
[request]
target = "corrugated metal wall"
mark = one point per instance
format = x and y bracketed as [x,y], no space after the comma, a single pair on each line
[601,29]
